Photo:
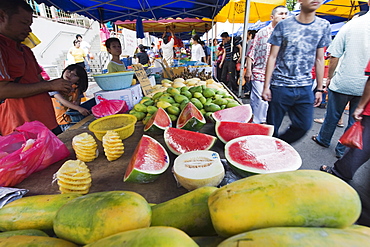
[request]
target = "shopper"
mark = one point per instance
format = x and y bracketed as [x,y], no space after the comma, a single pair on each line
[297,44]
[86,47]
[24,94]
[142,57]
[78,53]
[197,52]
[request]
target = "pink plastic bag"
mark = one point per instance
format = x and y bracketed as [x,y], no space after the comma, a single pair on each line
[109,107]
[31,148]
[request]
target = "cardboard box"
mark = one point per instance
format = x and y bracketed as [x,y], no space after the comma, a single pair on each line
[131,95]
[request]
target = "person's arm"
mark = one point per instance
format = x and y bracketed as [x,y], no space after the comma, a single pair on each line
[11,89]
[223,57]
[319,68]
[270,66]
[333,63]
[240,52]
[248,69]
[68,104]
[365,98]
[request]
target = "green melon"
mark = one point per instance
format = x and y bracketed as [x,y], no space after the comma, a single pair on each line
[158,122]
[259,154]
[180,141]
[190,118]
[149,160]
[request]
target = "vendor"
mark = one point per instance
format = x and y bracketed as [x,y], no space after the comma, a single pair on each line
[167,46]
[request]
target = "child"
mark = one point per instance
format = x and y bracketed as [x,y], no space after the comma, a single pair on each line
[114,48]
[77,76]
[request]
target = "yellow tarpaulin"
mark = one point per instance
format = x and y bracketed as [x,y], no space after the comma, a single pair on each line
[342,8]
[260,10]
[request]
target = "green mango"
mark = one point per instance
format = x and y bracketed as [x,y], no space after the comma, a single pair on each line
[180,98]
[212,107]
[208,92]
[197,103]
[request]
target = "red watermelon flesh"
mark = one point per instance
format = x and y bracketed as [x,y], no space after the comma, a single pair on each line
[226,131]
[241,113]
[190,118]
[149,160]
[258,154]
[159,121]
[180,141]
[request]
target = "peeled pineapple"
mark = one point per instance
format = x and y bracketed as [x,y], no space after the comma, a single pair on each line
[73,177]
[85,147]
[113,146]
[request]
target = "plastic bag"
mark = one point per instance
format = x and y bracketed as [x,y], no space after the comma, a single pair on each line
[31,148]
[109,107]
[353,136]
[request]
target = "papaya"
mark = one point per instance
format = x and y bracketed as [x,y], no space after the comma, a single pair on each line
[188,212]
[305,198]
[28,232]
[359,228]
[32,212]
[298,236]
[31,241]
[98,215]
[151,236]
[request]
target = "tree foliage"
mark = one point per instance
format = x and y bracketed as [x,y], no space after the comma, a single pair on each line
[290,4]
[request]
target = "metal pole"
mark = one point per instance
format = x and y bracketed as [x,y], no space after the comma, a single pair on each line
[244,45]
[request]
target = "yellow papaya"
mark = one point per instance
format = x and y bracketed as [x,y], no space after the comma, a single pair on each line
[359,228]
[188,212]
[27,232]
[98,215]
[32,212]
[305,198]
[31,241]
[298,236]
[151,236]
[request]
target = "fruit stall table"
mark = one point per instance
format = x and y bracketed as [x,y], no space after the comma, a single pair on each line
[108,175]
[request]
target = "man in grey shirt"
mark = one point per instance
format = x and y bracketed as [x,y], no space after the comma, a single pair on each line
[297,45]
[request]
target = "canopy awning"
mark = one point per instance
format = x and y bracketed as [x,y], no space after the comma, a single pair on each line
[113,10]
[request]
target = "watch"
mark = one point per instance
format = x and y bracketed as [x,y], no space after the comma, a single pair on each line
[320,90]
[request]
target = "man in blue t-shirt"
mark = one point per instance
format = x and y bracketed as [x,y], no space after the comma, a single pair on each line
[297,45]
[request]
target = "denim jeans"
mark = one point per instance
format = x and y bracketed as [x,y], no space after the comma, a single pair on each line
[298,103]
[334,110]
[354,158]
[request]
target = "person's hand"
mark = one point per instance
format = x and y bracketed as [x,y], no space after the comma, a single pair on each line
[248,75]
[318,99]
[266,94]
[357,114]
[60,85]
[220,65]
[328,80]
[83,111]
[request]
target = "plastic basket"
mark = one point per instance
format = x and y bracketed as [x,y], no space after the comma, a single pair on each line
[114,81]
[123,124]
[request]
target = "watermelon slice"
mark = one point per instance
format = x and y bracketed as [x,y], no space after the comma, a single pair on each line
[241,113]
[190,118]
[158,122]
[258,154]
[180,141]
[226,131]
[149,160]
[198,168]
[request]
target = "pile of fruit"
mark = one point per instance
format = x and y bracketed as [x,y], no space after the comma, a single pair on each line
[262,210]
[208,96]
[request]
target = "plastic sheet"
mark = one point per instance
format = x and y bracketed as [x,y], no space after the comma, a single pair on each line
[10,194]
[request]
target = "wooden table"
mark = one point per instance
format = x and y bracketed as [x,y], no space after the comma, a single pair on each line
[108,176]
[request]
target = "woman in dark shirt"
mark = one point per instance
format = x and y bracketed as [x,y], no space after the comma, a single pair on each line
[142,56]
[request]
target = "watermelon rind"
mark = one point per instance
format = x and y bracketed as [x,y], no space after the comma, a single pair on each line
[153,125]
[192,142]
[282,161]
[188,119]
[226,130]
[146,176]
[241,113]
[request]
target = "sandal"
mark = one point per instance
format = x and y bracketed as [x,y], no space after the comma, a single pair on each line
[314,138]
[319,120]
[327,169]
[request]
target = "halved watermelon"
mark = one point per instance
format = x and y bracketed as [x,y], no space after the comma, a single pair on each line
[180,141]
[258,154]
[241,113]
[149,160]
[190,118]
[226,131]
[158,122]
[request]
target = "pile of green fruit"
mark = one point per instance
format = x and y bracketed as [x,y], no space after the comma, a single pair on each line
[173,100]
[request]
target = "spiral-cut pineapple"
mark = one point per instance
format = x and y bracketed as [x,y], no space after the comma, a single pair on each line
[113,146]
[74,177]
[85,147]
